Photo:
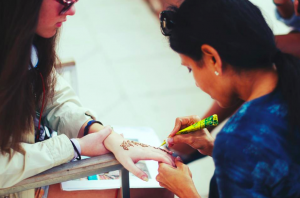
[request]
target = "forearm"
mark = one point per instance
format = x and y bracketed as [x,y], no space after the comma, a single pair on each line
[189,192]
[285,8]
[93,128]
[289,43]
[38,157]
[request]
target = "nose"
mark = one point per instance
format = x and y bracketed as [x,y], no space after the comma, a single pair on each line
[71,11]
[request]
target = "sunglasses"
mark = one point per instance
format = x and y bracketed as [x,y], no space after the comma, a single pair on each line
[166,23]
[67,5]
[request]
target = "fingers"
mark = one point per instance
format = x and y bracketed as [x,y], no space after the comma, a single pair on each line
[187,138]
[183,122]
[158,155]
[131,167]
[178,123]
[180,165]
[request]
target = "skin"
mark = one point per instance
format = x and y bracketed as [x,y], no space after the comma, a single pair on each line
[100,140]
[289,43]
[50,18]
[172,176]
[285,8]
[186,145]
[296,4]
[228,89]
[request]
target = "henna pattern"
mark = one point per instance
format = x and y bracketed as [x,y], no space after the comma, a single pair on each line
[128,143]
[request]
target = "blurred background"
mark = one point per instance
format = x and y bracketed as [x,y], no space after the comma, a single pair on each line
[126,72]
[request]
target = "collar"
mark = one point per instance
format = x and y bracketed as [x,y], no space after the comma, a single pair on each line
[34,57]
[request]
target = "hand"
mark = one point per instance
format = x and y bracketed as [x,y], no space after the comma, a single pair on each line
[183,122]
[128,153]
[177,180]
[296,5]
[93,144]
[201,140]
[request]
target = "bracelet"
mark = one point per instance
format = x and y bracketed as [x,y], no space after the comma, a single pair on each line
[75,148]
[89,124]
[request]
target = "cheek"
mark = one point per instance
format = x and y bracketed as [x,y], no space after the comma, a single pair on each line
[47,24]
[49,16]
[203,81]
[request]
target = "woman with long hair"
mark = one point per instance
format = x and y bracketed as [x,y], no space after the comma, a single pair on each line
[36,102]
[232,53]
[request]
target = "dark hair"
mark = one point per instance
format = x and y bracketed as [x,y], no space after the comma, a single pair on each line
[240,34]
[21,88]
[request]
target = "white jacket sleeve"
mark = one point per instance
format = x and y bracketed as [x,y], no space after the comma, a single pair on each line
[65,113]
[38,158]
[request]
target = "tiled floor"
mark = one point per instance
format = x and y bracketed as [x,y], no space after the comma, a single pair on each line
[128,74]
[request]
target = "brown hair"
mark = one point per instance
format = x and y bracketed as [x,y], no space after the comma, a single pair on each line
[20,86]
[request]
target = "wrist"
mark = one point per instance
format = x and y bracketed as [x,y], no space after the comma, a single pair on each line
[77,148]
[112,140]
[190,192]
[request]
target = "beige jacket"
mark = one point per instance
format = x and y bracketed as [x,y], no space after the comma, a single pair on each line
[65,115]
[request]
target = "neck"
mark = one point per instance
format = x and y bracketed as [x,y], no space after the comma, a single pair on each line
[254,84]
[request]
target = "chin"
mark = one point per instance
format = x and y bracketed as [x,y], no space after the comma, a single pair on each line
[48,34]
[228,104]
[222,105]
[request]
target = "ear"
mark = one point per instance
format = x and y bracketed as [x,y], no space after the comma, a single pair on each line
[212,58]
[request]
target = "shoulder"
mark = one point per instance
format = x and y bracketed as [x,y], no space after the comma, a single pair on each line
[261,123]
[252,152]
[249,148]
[266,113]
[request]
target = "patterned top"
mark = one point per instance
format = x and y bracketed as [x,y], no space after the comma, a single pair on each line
[254,153]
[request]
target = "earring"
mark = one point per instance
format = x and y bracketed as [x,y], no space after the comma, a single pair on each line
[217,73]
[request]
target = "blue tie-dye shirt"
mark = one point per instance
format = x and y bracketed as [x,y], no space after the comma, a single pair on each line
[254,155]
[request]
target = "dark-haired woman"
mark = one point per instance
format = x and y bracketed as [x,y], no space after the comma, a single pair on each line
[35,100]
[231,52]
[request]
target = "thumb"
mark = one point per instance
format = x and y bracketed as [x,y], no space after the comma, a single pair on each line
[131,167]
[106,131]
[178,162]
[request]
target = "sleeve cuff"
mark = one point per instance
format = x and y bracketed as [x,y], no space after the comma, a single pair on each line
[76,143]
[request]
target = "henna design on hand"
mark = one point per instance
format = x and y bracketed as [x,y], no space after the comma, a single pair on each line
[128,143]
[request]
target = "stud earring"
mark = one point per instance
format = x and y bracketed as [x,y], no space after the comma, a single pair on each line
[217,73]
